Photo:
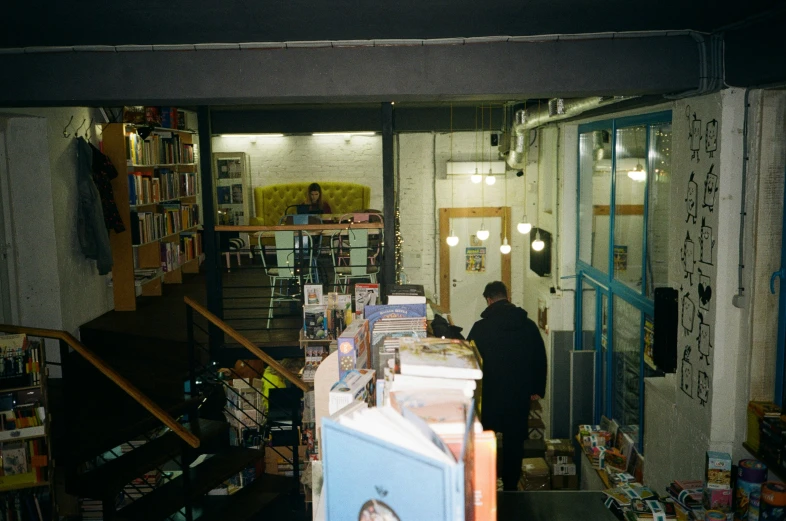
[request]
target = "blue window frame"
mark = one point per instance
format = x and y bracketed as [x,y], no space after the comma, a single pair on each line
[612,210]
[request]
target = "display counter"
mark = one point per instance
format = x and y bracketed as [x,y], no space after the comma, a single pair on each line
[556,505]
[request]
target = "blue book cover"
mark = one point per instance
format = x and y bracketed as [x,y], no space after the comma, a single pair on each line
[366,475]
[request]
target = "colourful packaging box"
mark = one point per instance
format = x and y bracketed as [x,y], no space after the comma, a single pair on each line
[353,347]
[718,470]
[718,499]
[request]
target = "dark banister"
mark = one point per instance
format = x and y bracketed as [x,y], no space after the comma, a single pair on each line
[245,342]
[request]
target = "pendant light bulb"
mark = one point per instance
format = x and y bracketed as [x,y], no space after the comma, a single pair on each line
[538,243]
[638,174]
[524,227]
[476,177]
[490,179]
[452,240]
[504,249]
[483,233]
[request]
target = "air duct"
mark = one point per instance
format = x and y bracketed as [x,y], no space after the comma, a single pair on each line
[556,109]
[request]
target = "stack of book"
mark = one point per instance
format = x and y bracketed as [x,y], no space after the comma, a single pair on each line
[388,324]
[688,494]
[434,363]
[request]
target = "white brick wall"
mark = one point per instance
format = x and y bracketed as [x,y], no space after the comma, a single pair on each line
[311,158]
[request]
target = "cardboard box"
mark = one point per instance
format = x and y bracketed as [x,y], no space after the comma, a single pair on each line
[353,347]
[559,447]
[564,482]
[535,474]
[718,470]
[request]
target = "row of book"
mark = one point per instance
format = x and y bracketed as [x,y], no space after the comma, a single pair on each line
[165,117]
[159,148]
[24,461]
[146,187]
[173,218]
[26,505]
[20,361]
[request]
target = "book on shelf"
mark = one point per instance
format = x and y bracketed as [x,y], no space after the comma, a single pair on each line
[444,410]
[371,455]
[315,321]
[224,194]
[406,294]
[366,294]
[20,361]
[439,357]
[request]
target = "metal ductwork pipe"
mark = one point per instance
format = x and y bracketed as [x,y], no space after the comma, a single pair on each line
[556,109]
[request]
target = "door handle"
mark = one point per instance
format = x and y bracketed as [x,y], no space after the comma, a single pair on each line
[780,273]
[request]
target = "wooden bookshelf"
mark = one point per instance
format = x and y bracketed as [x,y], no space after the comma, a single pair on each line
[148,254]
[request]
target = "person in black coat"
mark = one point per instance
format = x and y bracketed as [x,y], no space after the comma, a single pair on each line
[514,373]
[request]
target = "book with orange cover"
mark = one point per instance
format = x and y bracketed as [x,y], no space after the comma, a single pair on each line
[484,472]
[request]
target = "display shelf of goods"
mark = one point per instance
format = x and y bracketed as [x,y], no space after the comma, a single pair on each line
[24,427]
[157,194]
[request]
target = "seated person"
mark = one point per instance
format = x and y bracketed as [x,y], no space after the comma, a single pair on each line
[314,200]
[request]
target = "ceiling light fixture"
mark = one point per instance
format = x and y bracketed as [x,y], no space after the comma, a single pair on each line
[476,177]
[504,248]
[538,243]
[451,239]
[638,174]
[483,233]
[490,179]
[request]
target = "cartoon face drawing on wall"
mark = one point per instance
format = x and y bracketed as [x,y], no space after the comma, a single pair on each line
[711,137]
[703,388]
[704,340]
[688,257]
[695,137]
[710,189]
[688,314]
[692,199]
[706,243]
[686,382]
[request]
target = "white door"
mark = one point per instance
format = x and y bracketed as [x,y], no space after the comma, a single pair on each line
[473,264]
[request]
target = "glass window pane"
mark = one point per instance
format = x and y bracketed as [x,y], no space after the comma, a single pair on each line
[627,370]
[630,184]
[604,354]
[659,208]
[595,197]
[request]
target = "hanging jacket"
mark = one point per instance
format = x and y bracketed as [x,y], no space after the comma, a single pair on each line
[103,173]
[92,232]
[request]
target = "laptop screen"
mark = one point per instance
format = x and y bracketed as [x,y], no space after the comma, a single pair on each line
[302,209]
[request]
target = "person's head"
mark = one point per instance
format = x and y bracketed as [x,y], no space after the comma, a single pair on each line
[314,193]
[495,291]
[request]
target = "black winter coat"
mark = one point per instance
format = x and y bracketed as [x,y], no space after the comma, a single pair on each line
[514,365]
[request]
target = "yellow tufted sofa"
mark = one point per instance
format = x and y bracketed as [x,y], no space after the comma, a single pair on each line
[270,202]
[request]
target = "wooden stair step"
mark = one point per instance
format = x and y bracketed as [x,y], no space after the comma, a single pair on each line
[116,473]
[169,498]
[103,438]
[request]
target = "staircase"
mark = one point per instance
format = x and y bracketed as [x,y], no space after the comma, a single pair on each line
[134,443]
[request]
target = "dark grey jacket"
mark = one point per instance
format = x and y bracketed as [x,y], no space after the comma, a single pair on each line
[92,232]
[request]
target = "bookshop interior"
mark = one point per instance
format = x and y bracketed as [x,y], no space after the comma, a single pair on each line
[404,264]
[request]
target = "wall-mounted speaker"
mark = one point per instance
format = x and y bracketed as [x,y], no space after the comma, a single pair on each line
[540,261]
[664,350]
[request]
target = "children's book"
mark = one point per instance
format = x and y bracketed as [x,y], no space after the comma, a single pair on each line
[365,295]
[379,464]
[439,357]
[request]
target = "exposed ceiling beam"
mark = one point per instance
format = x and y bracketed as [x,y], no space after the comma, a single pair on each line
[491,72]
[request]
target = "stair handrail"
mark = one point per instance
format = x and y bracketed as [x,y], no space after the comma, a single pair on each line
[245,342]
[115,377]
